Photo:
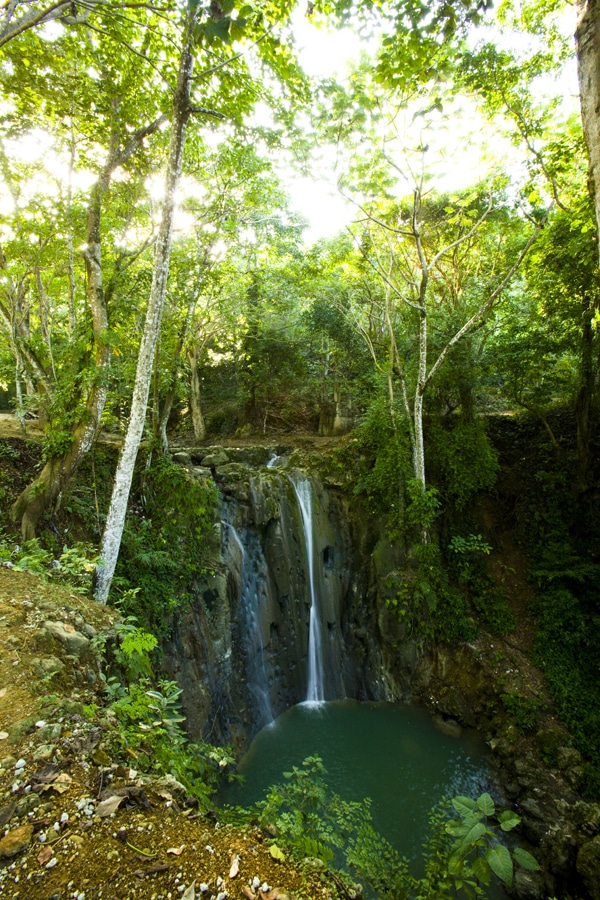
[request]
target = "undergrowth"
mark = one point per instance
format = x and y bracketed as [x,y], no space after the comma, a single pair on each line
[558,526]
[167,544]
[448,591]
[147,715]
[307,819]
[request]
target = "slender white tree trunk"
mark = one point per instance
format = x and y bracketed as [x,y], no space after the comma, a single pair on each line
[115,521]
[195,401]
[58,471]
[419,442]
[588,69]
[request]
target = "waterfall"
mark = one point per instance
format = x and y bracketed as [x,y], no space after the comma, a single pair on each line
[257,681]
[315,690]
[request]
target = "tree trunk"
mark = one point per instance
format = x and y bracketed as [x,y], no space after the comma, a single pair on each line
[587,38]
[588,69]
[37,497]
[584,412]
[419,447]
[58,471]
[195,401]
[54,477]
[115,521]
[165,412]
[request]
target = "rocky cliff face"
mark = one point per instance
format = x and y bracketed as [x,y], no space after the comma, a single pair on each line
[241,652]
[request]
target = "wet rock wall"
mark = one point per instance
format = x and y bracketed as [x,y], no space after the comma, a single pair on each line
[241,651]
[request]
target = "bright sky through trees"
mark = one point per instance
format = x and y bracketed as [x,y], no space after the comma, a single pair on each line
[464,147]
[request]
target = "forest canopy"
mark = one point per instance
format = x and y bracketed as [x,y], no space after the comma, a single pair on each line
[155,276]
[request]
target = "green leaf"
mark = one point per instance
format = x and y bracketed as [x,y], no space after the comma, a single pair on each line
[461,827]
[486,805]
[500,863]
[525,859]
[474,833]
[238,28]
[508,820]
[277,853]
[218,29]
[456,827]
[481,869]
[455,864]
[463,805]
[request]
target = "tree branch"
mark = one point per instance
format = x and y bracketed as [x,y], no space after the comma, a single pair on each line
[372,218]
[486,307]
[203,111]
[378,271]
[464,237]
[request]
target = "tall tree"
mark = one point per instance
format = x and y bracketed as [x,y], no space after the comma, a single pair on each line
[415,254]
[113,530]
[588,69]
[224,27]
[84,75]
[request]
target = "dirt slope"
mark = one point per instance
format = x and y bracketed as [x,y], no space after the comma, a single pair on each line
[60,776]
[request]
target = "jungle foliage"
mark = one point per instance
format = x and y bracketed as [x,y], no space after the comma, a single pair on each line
[464,848]
[558,526]
[441,308]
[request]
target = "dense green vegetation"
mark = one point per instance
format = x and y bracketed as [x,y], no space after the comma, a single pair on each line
[461,855]
[558,526]
[200,309]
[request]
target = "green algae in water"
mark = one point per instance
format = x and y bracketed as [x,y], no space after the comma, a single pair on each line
[392,753]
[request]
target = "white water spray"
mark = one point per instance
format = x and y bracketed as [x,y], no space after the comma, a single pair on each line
[315,689]
[257,681]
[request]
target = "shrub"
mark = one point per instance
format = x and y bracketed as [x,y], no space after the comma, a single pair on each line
[463,852]
[167,545]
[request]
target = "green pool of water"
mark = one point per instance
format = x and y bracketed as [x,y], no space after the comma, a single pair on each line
[393,753]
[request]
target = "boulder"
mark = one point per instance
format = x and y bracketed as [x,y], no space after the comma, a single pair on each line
[15,841]
[528,885]
[567,757]
[47,665]
[202,472]
[449,727]
[588,866]
[74,641]
[217,458]
[586,816]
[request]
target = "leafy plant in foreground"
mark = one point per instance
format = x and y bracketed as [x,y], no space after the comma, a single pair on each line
[310,820]
[73,567]
[165,706]
[149,728]
[476,852]
[460,857]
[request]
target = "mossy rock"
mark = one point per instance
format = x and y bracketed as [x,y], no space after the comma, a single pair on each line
[549,741]
[19,729]
[588,866]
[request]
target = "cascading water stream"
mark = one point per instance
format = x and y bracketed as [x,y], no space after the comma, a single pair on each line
[315,689]
[250,599]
